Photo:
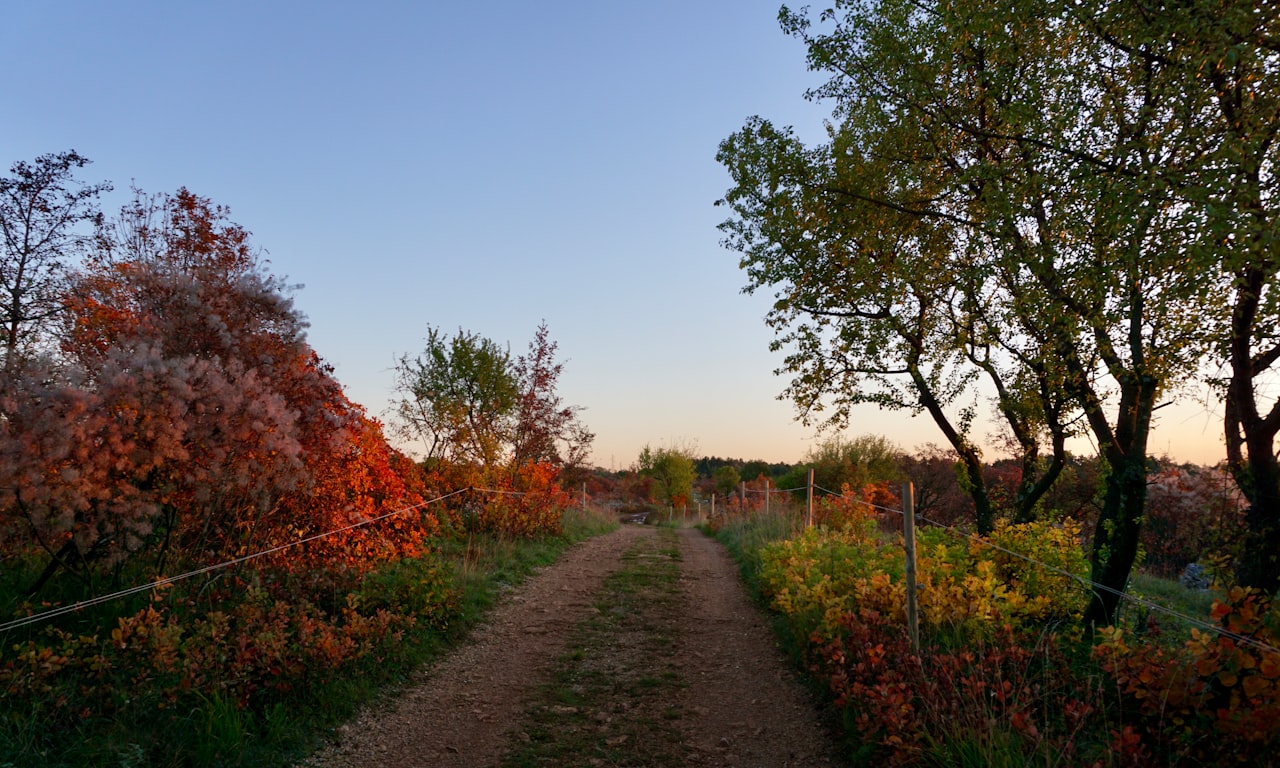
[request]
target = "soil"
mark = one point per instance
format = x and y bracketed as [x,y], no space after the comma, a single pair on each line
[728,696]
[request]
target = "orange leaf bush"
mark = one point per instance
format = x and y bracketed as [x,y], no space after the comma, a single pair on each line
[1218,694]
[527,505]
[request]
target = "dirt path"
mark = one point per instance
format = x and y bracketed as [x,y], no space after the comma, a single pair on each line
[637,648]
[749,709]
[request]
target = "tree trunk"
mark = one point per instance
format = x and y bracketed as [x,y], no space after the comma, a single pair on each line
[1251,438]
[970,460]
[1115,540]
[1116,537]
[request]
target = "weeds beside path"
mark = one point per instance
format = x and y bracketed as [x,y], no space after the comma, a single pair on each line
[638,648]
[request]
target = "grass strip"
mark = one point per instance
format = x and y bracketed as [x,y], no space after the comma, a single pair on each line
[609,702]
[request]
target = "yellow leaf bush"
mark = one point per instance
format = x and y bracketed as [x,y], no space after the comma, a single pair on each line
[967,588]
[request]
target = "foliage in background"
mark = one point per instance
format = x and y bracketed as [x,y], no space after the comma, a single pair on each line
[838,461]
[1194,515]
[671,470]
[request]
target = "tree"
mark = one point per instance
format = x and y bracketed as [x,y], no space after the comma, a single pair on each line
[469,403]
[990,206]
[546,429]
[864,460]
[672,472]
[459,398]
[874,301]
[189,420]
[726,479]
[1224,57]
[42,206]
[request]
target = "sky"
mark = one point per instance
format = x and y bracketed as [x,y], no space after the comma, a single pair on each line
[479,166]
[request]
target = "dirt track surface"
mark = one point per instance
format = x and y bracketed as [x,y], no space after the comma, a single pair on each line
[734,700]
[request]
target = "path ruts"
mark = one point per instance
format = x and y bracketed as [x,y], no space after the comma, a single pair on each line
[611,656]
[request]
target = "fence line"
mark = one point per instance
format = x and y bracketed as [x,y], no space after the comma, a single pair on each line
[54,613]
[1092,587]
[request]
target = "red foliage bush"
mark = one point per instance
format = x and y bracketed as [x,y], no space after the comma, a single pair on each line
[852,507]
[896,701]
[1219,694]
[255,643]
[1193,514]
[527,505]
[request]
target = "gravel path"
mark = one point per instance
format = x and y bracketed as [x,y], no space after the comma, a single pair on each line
[743,707]
[750,711]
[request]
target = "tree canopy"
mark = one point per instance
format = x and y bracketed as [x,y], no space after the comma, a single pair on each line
[671,468]
[465,399]
[999,212]
[43,210]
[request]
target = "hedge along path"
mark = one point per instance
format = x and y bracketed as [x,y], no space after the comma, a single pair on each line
[637,648]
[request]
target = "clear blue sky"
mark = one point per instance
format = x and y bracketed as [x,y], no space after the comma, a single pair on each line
[476,165]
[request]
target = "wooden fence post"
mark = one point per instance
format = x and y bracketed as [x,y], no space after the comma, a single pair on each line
[909,572]
[809,520]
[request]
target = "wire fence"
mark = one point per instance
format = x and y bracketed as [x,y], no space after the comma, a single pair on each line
[53,613]
[1091,587]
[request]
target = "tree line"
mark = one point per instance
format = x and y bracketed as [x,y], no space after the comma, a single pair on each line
[1067,205]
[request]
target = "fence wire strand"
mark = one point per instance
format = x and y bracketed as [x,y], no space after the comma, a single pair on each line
[53,613]
[1090,586]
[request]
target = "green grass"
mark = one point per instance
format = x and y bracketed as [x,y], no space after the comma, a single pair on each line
[1170,594]
[209,728]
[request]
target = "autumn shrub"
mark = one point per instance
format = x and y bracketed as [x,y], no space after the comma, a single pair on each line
[231,642]
[420,587]
[1000,698]
[997,673]
[966,588]
[1004,675]
[161,654]
[526,505]
[1042,564]
[1216,695]
[367,490]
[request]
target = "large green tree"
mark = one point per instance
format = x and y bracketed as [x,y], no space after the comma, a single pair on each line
[1226,58]
[988,207]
